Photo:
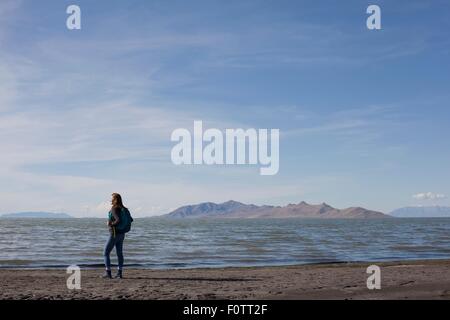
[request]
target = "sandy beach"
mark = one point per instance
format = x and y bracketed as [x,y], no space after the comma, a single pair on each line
[399,280]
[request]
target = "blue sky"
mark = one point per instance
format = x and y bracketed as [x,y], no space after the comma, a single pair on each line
[364,115]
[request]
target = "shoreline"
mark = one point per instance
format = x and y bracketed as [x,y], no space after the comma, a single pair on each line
[212,267]
[406,279]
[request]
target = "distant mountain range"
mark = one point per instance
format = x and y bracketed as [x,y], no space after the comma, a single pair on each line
[421,212]
[36,215]
[234,209]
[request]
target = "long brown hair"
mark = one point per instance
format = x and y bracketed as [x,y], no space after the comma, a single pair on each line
[117,201]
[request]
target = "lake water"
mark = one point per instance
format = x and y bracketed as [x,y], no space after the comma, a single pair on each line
[164,243]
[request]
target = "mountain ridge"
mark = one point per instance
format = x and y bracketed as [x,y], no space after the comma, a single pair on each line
[36,214]
[235,209]
[422,212]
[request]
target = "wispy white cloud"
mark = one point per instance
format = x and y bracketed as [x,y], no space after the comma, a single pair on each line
[8,90]
[429,196]
[87,133]
[350,122]
[328,128]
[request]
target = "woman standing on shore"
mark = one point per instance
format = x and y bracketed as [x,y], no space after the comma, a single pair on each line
[118,226]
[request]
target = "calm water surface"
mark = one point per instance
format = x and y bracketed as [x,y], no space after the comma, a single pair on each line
[164,243]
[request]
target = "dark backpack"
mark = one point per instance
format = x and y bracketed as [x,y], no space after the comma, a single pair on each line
[125,221]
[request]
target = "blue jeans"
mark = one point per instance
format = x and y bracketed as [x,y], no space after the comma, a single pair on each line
[116,241]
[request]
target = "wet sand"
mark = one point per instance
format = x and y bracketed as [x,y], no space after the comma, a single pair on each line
[399,280]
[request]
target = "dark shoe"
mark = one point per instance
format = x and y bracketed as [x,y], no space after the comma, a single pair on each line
[118,274]
[107,274]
